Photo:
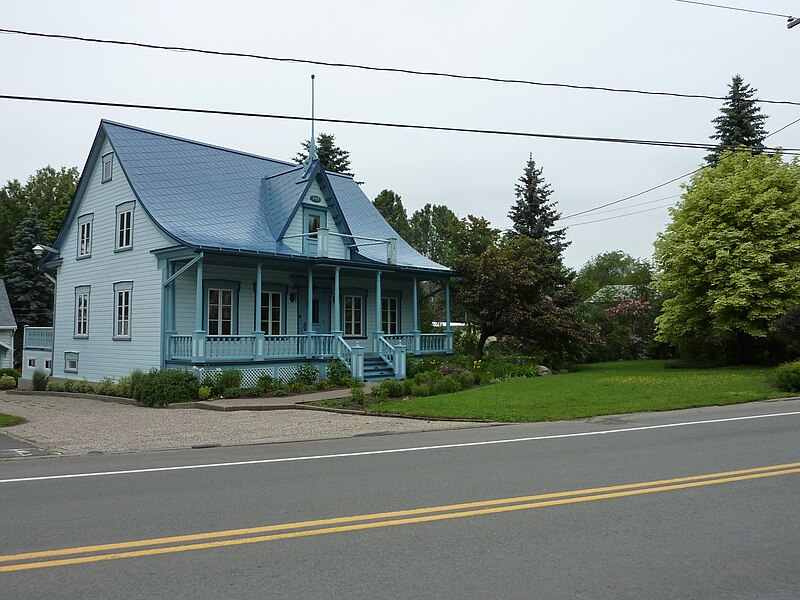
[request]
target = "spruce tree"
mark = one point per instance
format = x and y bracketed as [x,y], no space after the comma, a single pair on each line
[741,122]
[391,207]
[533,214]
[329,154]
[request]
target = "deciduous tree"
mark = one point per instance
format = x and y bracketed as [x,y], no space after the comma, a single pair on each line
[390,205]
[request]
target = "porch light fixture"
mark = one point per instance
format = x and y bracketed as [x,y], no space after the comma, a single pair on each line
[40,249]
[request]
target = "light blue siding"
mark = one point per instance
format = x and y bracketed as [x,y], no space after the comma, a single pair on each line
[7,355]
[336,245]
[99,355]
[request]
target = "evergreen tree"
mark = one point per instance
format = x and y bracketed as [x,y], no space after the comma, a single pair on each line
[30,292]
[391,207]
[741,122]
[330,155]
[533,214]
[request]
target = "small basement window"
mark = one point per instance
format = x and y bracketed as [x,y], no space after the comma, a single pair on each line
[70,362]
[32,363]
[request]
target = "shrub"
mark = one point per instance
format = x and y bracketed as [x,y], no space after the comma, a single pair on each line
[452,369]
[306,375]
[7,382]
[123,387]
[379,393]
[107,387]
[337,373]
[421,389]
[394,388]
[204,392]
[54,386]
[322,384]
[294,387]
[69,385]
[279,393]
[11,373]
[267,383]
[135,379]
[231,392]
[159,388]
[787,376]
[39,380]
[83,387]
[357,393]
[229,378]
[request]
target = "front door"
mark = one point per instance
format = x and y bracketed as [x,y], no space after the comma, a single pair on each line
[320,312]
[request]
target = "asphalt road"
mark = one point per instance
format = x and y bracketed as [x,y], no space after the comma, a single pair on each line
[561,510]
[13,448]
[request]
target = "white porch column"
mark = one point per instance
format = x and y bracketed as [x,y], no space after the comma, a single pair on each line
[310,313]
[378,306]
[258,332]
[447,329]
[416,331]
[337,313]
[199,334]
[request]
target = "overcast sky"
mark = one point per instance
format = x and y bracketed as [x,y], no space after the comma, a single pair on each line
[654,45]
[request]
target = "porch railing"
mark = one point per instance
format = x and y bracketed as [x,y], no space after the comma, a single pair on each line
[230,346]
[38,338]
[180,346]
[435,343]
[393,355]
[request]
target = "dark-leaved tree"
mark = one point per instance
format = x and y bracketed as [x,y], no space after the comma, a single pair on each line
[741,123]
[391,207]
[332,157]
[533,214]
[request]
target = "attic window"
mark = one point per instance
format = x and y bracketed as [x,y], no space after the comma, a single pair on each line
[108,167]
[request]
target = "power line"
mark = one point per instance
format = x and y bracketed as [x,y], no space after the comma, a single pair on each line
[759,12]
[553,136]
[620,216]
[588,210]
[403,71]
[601,212]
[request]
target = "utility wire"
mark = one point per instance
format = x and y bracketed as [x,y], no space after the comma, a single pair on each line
[554,136]
[620,216]
[759,12]
[375,68]
[602,212]
[588,210]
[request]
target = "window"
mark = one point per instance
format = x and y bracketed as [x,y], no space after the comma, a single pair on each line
[353,315]
[122,310]
[70,362]
[82,311]
[85,236]
[124,239]
[271,315]
[314,220]
[32,363]
[390,315]
[108,168]
[220,311]
[48,364]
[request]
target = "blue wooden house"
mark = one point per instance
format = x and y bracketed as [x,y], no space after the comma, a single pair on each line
[181,254]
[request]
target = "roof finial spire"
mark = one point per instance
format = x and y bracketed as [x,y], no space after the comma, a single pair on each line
[312,147]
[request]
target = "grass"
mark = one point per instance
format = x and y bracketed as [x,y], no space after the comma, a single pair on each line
[6,420]
[597,389]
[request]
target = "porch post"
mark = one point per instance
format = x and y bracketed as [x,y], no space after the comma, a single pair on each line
[199,335]
[448,333]
[310,312]
[416,331]
[258,333]
[337,315]
[378,311]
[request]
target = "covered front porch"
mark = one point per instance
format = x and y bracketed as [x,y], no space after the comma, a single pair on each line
[226,312]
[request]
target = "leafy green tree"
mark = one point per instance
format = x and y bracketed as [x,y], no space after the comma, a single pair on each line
[431,228]
[332,157]
[533,214]
[729,263]
[613,268]
[741,123]
[511,288]
[391,207]
[49,190]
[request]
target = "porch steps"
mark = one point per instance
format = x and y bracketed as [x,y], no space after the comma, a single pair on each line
[376,369]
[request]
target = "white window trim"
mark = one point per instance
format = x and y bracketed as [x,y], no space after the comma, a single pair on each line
[268,306]
[70,356]
[349,316]
[107,172]
[85,232]
[219,320]
[123,237]
[123,292]
[82,311]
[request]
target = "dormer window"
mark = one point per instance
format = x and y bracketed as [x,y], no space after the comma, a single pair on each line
[108,167]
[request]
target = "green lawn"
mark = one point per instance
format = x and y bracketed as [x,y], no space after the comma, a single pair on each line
[9,420]
[598,389]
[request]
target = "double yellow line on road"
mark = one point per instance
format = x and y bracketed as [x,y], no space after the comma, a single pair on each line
[267,533]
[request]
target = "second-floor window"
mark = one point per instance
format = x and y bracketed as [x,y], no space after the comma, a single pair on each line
[85,236]
[124,226]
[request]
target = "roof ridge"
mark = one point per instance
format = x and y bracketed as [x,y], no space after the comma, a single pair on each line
[196,142]
[298,167]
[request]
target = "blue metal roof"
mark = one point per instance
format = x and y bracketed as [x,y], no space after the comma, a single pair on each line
[209,197]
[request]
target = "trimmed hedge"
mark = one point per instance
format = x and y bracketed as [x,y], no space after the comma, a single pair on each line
[159,388]
[787,376]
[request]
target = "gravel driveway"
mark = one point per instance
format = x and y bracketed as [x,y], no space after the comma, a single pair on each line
[79,425]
